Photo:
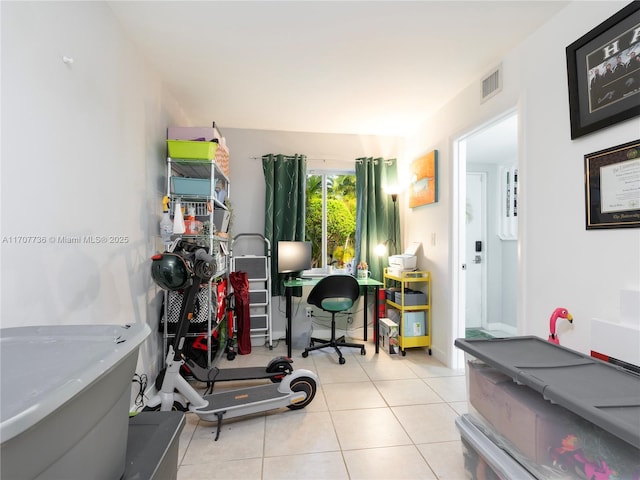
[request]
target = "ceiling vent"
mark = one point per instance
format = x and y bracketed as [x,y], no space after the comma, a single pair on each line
[492,84]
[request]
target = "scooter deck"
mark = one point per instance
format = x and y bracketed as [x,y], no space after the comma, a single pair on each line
[243,373]
[216,374]
[246,401]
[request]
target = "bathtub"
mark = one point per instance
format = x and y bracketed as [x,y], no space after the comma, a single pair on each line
[65,392]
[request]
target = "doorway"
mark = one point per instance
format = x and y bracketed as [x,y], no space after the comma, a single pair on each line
[475,258]
[486,211]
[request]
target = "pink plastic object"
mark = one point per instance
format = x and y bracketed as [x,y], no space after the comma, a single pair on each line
[559,312]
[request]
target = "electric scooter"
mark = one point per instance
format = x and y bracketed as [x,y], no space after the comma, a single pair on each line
[186,270]
[275,370]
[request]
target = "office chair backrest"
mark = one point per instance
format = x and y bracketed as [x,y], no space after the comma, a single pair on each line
[334,293]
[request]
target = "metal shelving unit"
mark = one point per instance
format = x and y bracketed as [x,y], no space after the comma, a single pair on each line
[216,242]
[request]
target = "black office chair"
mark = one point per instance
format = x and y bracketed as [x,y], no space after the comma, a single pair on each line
[333,294]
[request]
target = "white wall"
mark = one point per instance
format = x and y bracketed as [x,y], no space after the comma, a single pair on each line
[82,155]
[331,151]
[561,264]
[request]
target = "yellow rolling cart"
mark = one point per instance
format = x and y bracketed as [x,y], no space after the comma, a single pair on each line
[413,306]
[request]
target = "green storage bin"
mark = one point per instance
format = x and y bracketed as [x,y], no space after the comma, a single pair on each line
[192,150]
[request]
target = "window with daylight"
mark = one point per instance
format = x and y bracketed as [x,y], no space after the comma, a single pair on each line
[331,218]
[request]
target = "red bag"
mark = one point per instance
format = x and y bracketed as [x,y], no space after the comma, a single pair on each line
[240,283]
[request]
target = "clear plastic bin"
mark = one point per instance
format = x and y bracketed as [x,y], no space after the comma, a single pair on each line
[549,408]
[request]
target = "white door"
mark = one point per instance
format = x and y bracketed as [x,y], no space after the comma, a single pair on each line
[475,250]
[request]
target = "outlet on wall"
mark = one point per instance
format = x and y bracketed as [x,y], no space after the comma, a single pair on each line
[308,312]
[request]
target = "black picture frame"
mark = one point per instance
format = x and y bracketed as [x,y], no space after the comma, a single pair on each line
[600,99]
[612,187]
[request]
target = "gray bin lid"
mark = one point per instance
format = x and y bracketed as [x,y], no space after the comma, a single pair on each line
[43,367]
[604,394]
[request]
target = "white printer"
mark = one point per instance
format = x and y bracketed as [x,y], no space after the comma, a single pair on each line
[407,260]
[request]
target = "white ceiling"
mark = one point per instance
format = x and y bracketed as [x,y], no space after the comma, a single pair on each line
[496,143]
[362,67]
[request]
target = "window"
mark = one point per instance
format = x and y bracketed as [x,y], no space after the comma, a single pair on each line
[331,218]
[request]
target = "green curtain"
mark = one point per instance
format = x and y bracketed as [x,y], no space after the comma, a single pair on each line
[375,212]
[285,178]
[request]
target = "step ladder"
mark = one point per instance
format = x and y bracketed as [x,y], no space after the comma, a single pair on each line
[258,269]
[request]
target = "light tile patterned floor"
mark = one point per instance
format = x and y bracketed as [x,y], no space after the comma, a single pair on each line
[376,417]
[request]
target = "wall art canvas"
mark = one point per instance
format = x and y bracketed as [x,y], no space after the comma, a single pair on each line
[423,174]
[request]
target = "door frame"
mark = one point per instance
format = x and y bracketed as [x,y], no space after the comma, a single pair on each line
[458,203]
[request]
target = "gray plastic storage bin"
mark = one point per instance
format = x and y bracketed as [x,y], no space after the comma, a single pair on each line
[65,400]
[390,293]
[152,446]
[411,298]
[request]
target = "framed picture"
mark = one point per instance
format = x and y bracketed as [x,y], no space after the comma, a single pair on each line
[612,187]
[603,69]
[423,173]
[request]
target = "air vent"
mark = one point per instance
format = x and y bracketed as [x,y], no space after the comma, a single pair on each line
[492,84]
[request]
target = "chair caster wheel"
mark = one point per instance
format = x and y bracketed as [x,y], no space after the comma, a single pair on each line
[363,352]
[305,354]
[341,361]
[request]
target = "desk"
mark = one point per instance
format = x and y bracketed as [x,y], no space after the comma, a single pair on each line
[289,285]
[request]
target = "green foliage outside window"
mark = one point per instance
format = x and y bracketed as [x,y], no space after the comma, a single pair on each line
[341,218]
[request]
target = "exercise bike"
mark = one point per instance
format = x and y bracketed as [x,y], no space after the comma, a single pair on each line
[185,270]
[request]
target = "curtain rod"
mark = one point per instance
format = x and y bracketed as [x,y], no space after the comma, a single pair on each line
[387,162]
[312,159]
